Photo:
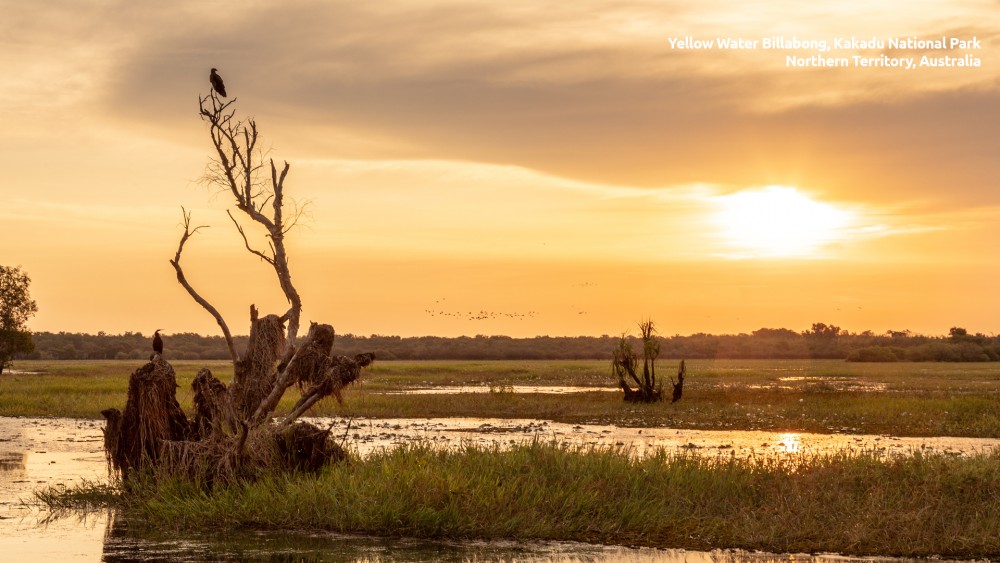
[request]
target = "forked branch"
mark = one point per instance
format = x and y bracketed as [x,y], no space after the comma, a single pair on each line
[246,242]
[176,263]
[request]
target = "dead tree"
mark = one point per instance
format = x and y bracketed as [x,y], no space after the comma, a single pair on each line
[679,384]
[232,434]
[624,364]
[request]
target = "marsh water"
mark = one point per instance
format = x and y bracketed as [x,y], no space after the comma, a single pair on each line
[43,452]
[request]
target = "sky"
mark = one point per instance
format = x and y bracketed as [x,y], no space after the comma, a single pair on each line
[518,168]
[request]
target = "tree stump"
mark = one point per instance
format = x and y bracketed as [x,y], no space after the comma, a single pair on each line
[231,436]
[133,438]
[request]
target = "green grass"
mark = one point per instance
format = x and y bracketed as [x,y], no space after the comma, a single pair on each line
[903,399]
[851,503]
[82,389]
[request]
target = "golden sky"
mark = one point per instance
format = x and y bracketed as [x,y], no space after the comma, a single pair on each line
[558,168]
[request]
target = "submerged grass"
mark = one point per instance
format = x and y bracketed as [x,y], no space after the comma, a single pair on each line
[83,495]
[852,502]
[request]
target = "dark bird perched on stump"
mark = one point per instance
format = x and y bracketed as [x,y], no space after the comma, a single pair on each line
[157,342]
[217,84]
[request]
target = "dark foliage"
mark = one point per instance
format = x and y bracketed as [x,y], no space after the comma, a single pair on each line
[16,306]
[766,343]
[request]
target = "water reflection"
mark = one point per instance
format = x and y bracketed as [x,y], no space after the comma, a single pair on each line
[12,461]
[125,543]
[458,389]
[789,443]
[366,436]
[131,543]
[44,452]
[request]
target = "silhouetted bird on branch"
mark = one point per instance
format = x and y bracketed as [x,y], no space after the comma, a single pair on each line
[217,84]
[157,342]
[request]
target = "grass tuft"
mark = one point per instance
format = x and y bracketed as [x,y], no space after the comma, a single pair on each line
[85,495]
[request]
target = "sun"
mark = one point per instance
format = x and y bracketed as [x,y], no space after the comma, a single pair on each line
[779,222]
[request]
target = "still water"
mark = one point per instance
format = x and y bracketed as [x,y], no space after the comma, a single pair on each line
[41,452]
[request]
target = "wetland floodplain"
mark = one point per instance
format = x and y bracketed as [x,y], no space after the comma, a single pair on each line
[53,452]
[779,409]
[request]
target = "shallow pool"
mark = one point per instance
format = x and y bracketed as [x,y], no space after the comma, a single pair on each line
[42,452]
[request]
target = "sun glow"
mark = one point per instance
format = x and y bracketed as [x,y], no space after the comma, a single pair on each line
[780,222]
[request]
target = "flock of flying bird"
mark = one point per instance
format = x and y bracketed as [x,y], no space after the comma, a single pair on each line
[481,315]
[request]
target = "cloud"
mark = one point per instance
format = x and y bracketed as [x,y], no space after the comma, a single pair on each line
[588,91]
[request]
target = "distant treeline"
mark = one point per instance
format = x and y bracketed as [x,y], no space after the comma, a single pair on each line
[821,341]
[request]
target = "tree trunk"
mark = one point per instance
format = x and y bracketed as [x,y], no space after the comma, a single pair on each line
[254,374]
[679,384]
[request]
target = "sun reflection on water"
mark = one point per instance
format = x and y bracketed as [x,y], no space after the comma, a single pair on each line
[789,443]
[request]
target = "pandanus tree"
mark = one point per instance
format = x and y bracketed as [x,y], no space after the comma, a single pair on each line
[625,363]
[232,434]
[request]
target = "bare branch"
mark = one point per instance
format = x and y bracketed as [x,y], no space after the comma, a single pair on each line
[246,242]
[239,164]
[176,263]
[304,404]
[233,159]
[298,213]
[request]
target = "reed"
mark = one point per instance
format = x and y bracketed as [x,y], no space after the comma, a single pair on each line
[857,502]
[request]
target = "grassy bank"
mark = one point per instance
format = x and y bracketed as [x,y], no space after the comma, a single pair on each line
[782,395]
[857,503]
[82,389]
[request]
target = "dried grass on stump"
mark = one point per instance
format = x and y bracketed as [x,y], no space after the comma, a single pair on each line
[133,438]
[219,445]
